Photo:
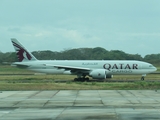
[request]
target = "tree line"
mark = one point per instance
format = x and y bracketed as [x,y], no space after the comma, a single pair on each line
[97,53]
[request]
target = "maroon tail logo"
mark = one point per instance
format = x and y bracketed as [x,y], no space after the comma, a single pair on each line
[21,53]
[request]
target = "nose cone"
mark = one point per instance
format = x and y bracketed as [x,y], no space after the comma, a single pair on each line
[155,69]
[149,68]
[152,68]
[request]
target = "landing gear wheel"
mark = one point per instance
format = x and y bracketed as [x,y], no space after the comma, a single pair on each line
[81,79]
[75,79]
[87,78]
[142,78]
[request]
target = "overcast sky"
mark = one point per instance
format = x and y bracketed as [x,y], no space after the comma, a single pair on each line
[132,26]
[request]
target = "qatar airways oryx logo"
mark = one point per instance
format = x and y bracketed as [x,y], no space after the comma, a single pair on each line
[21,53]
[120,66]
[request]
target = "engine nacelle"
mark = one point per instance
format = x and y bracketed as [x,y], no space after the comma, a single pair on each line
[99,74]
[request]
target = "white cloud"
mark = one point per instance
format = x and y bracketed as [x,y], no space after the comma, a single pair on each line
[55,25]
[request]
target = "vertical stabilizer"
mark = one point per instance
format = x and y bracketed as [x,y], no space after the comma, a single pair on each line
[22,53]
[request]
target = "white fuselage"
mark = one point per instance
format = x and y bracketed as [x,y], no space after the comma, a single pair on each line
[112,67]
[97,69]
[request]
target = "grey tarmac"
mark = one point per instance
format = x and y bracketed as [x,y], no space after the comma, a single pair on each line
[80,105]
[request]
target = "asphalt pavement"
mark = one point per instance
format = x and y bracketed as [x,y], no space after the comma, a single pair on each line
[80,105]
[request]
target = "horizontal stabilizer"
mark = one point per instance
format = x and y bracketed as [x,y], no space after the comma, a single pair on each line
[17,64]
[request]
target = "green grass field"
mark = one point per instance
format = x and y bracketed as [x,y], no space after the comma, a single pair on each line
[47,82]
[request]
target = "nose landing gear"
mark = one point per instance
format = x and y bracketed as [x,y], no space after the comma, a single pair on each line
[142,78]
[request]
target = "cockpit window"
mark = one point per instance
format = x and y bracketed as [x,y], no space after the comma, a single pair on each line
[150,65]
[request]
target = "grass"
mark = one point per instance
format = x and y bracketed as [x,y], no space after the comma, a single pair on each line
[47,82]
[80,86]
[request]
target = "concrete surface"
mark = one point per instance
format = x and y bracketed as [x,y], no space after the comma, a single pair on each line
[80,104]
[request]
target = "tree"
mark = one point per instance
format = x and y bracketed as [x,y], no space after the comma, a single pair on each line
[97,53]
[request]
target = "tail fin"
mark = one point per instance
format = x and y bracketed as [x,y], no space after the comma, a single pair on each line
[22,53]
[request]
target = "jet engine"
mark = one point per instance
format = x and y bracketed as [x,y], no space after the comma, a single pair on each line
[99,74]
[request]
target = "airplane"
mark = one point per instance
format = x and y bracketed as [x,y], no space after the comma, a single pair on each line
[97,69]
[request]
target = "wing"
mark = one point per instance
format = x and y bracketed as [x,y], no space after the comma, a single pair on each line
[72,69]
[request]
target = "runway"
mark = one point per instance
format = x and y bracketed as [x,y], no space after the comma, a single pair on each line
[80,104]
[110,81]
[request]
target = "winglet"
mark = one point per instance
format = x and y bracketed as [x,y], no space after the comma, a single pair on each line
[22,53]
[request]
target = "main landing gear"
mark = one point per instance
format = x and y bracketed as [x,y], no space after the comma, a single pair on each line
[82,79]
